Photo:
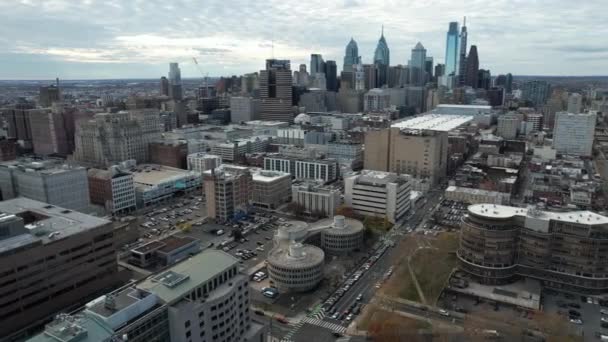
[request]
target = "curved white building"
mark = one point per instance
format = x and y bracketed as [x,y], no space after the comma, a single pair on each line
[296,267]
[341,235]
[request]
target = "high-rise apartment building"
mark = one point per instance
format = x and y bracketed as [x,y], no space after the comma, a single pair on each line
[573,133]
[536,92]
[324,170]
[227,190]
[380,194]
[175,82]
[49,181]
[451,50]
[417,66]
[351,55]
[472,69]
[575,103]
[381,61]
[204,298]
[508,125]
[51,259]
[275,91]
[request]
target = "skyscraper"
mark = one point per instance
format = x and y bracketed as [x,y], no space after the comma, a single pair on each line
[370,74]
[484,79]
[276,91]
[536,92]
[509,83]
[417,65]
[48,95]
[317,65]
[462,62]
[351,55]
[382,60]
[164,86]
[175,81]
[331,75]
[451,50]
[575,103]
[428,69]
[472,68]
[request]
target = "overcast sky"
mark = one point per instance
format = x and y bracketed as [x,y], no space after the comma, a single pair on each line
[84,39]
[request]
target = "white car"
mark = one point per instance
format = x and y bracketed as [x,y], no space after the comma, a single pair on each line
[443,312]
[576,321]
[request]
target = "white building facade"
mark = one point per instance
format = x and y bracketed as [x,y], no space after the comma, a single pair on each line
[573,133]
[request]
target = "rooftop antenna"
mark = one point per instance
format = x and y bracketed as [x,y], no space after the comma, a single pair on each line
[382,33]
[272,45]
[465,21]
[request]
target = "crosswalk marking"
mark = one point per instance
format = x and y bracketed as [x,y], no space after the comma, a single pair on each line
[319,315]
[293,331]
[324,324]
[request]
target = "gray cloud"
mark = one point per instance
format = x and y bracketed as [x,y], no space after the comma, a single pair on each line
[235,36]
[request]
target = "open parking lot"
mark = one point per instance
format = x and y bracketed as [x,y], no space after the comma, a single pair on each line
[588,309]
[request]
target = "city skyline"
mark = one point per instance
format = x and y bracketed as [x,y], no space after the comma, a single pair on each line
[92,39]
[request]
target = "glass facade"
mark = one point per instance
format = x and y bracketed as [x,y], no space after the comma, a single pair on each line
[451,50]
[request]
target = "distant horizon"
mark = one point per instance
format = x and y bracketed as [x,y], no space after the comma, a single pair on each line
[226,76]
[96,39]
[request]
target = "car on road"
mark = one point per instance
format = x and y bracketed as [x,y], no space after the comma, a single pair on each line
[576,320]
[335,315]
[282,320]
[443,312]
[604,311]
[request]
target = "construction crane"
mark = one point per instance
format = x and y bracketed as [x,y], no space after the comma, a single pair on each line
[205,75]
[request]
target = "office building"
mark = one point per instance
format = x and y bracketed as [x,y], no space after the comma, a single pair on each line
[484,79]
[228,191]
[270,189]
[111,138]
[113,189]
[379,194]
[537,92]
[451,51]
[244,109]
[164,252]
[50,132]
[8,149]
[566,250]
[159,183]
[370,76]
[18,120]
[428,69]
[317,64]
[204,298]
[201,161]
[331,76]
[462,59]
[175,82]
[351,55]
[573,133]
[51,259]
[575,103]
[49,181]
[275,91]
[316,198]
[508,126]
[476,196]
[417,66]
[381,61]
[472,69]
[164,86]
[235,150]
[325,170]
[168,153]
[48,95]
[397,76]
[376,100]
[346,152]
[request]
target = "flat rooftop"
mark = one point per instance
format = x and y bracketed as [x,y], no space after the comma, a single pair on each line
[45,223]
[268,176]
[185,276]
[504,212]
[434,122]
[151,175]
[46,166]
[452,109]
[379,177]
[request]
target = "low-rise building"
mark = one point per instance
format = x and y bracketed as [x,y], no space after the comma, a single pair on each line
[50,180]
[380,194]
[233,151]
[204,298]
[325,170]
[476,196]
[164,252]
[201,162]
[270,189]
[114,189]
[157,183]
[316,198]
[172,154]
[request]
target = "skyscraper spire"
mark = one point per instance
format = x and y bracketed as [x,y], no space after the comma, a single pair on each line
[464,22]
[382,33]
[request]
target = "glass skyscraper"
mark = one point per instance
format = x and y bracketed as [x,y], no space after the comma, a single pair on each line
[382,61]
[451,50]
[351,55]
